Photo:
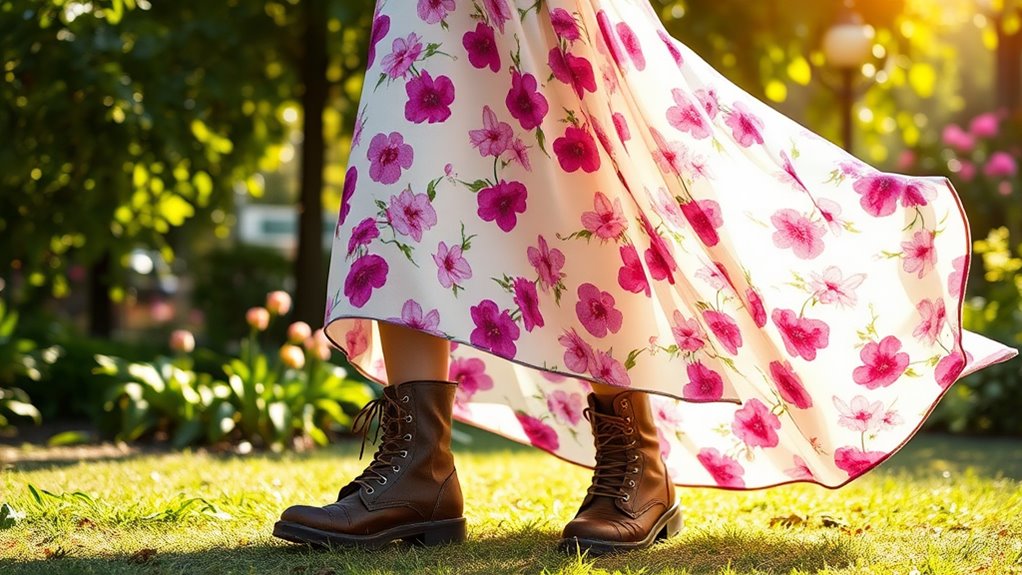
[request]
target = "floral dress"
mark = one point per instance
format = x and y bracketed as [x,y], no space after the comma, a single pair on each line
[570,195]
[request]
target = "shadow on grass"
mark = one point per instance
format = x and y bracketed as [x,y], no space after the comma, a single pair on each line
[930,453]
[528,549]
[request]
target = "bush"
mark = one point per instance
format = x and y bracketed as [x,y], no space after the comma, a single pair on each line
[20,359]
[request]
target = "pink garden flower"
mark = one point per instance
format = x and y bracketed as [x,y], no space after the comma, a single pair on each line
[632,45]
[565,407]
[705,218]
[883,363]
[1000,165]
[756,425]
[595,309]
[795,231]
[855,461]
[405,52]
[363,234]
[389,155]
[832,288]
[547,263]
[967,171]
[367,273]
[789,385]
[933,316]
[919,254]
[540,434]
[452,267]
[756,308]
[481,45]
[495,331]
[607,221]
[948,369]
[564,24]
[572,70]
[576,149]
[429,100]
[726,471]
[880,193]
[860,415]
[495,137]
[632,276]
[985,125]
[688,334]
[954,136]
[502,204]
[606,369]
[411,214]
[525,102]
[746,127]
[802,336]
[578,355]
[470,375]
[434,11]
[528,302]
[685,116]
[725,329]
[350,181]
[498,11]
[704,384]
[672,48]
[412,317]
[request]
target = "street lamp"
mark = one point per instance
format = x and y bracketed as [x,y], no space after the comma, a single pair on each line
[847,45]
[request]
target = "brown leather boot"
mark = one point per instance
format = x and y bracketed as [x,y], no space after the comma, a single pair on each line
[630,503]
[409,491]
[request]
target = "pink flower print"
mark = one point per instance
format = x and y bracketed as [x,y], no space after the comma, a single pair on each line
[572,70]
[434,11]
[389,155]
[518,152]
[607,221]
[955,281]
[411,214]
[502,204]
[665,445]
[668,208]
[609,370]
[525,102]
[919,255]
[859,415]
[528,302]
[917,193]
[565,407]
[595,309]
[481,45]
[756,307]
[746,127]
[429,100]
[452,267]
[934,315]
[664,413]
[709,101]
[470,375]
[633,47]
[755,425]
[789,175]
[602,137]
[498,11]
[789,385]
[883,363]
[658,257]
[564,24]
[632,276]
[610,82]
[832,288]
[802,336]
[365,274]
[669,156]
[948,369]
[405,52]
[852,169]
[547,263]
[578,355]
[577,150]
[381,27]
[669,43]
[540,434]
[795,231]
[495,331]
[830,210]
[704,217]
[880,193]
[685,116]
[726,471]
[855,461]
[356,341]
[412,317]
[687,333]
[495,137]
[621,126]
[350,181]
[363,234]
[712,276]
[704,384]
[607,32]
[890,420]
[725,329]
[800,470]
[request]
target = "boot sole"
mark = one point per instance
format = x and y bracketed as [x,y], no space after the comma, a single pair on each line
[426,534]
[666,527]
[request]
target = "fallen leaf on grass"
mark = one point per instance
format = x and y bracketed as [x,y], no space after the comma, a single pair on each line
[58,553]
[86,522]
[831,521]
[789,521]
[142,556]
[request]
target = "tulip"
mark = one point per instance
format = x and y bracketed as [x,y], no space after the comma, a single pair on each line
[278,302]
[258,318]
[292,356]
[182,341]
[298,332]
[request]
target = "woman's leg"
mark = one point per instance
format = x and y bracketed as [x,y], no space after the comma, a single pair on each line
[412,355]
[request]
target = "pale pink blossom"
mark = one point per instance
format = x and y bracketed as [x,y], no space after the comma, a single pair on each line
[859,414]
[495,136]
[919,255]
[933,315]
[565,407]
[831,287]
[607,221]
[795,231]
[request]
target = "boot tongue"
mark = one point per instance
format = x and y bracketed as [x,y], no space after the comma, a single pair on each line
[602,403]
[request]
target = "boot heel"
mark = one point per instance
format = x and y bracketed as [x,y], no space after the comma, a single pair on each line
[450,531]
[673,526]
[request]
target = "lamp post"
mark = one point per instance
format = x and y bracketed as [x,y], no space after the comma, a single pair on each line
[847,45]
[1009,57]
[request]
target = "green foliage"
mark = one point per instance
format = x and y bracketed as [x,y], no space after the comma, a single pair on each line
[19,359]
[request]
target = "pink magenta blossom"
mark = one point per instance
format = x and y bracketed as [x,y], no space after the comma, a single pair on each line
[411,214]
[883,363]
[595,309]
[405,52]
[704,384]
[855,461]
[756,425]
[470,375]
[789,385]
[795,231]
[495,331]
[955,283]
[578,355]
[1000,165]
[528,302]
[802,336]
[429,100]
[356,341]
[948,369]
[518,152]
[495,137]
[726,471]
[525,102]
[363,234]
[498,11]
[540,434]
[933,315]
[434,11]
[708,100]
[800,469]
[607,221]
[389,155]
[367,273]
[621,126]
[607,33]
[632,276]
[565,407]
[959,139]
[671,46]
[860,414]
[481,45]
[632,45]
[985,125]
[564,24]
[705,218]
[688,334]
[502,204]
[830,210]
[576,149]
[452,267]
[725,329]
[756,307]
[880,193]
[746,127]
[413,317]
[547,263]
[350,181]
[572,70]
[607,369]
[685,116]
[381,27]
[832,287]
[919,255]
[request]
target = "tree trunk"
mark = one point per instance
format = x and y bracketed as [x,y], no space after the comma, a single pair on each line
[310,281]
[101,308]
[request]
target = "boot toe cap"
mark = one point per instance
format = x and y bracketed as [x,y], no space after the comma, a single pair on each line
[597,529]
[316,517]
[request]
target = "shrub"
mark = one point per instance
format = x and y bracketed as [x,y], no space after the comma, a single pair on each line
[20,359]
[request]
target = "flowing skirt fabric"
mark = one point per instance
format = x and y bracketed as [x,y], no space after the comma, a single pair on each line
[569,195]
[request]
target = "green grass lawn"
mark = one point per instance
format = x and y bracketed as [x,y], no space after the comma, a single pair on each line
[941,506]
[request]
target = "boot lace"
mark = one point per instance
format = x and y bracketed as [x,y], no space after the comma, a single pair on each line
[614,439]
[389,414]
